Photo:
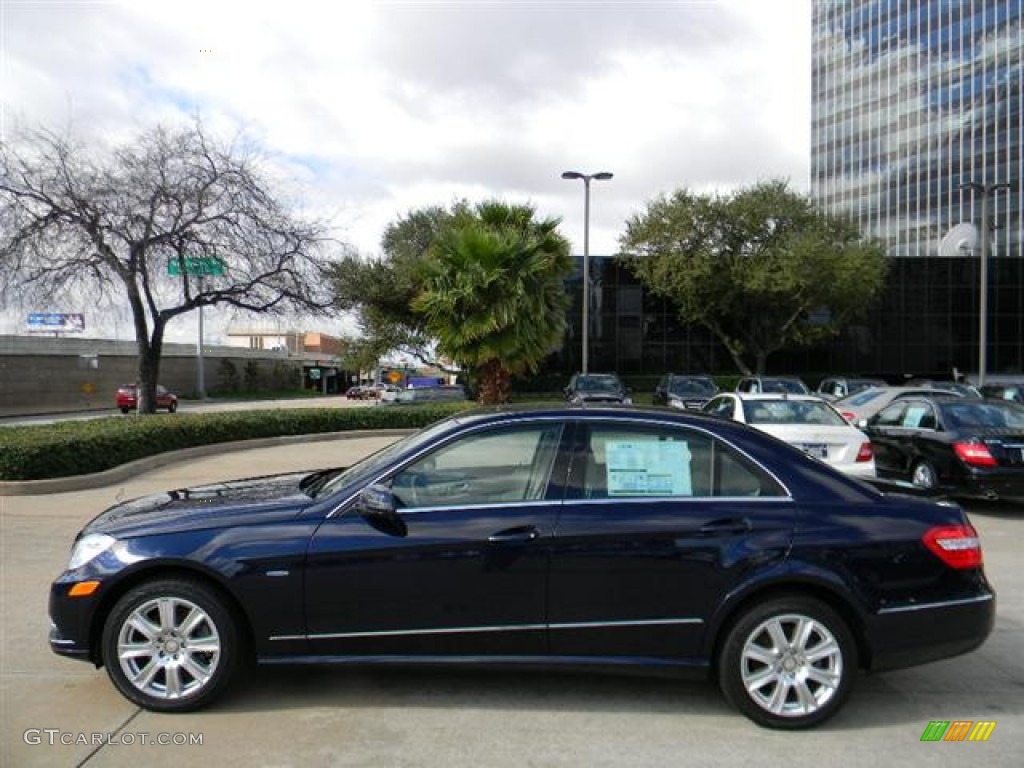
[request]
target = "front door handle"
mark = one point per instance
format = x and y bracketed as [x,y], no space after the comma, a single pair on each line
[520,535]
[726,526]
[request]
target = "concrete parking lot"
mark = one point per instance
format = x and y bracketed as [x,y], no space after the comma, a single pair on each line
[326,716]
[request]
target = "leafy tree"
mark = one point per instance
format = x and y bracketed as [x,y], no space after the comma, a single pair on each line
[381,291]
[761,269]
[494,294]
[78,223]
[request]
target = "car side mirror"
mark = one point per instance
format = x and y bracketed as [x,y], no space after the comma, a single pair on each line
[376,503]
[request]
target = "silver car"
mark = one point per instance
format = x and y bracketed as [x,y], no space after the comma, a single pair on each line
[861,406]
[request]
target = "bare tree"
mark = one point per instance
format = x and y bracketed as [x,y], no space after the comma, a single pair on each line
[171,222]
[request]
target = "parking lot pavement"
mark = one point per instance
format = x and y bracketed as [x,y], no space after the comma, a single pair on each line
[330,716]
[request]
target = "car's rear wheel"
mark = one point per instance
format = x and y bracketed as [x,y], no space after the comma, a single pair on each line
[171,645]
[788,663]
[924,476]
[125,410]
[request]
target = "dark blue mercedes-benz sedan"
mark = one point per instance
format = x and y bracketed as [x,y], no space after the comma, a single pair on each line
[601,536]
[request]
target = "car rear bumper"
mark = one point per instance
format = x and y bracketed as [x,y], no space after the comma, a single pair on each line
[1003,483]
[908,635]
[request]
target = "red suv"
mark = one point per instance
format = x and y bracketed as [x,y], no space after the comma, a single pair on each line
[128,398]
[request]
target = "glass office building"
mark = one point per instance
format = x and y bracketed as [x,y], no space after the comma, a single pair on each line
[910,100]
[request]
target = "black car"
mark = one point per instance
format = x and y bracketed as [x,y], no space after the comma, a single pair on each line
[597,388]
[684,391]
[669,542]
[1005,391]
[959,446]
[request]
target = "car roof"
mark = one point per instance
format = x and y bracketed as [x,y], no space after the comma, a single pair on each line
[774,396]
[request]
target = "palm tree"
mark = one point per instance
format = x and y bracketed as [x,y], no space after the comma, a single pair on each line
[494,295]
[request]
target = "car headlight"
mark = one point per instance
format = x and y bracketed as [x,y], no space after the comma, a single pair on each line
[675,402]
[89,547]
[627,401]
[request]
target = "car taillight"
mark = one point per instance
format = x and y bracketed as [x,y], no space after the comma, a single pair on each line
[958,546]
[865,453]
[975,453]
[850,417]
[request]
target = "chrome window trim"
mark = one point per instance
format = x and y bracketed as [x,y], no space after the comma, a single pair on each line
[496,628]
[566,420]
[940,604]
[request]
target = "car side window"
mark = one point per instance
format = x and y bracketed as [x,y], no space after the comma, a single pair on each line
[891,416]
[723,408]
[493,467]
[670,462]
[918,416]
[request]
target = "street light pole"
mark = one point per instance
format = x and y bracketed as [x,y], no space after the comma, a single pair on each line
[987,191]
[586,177]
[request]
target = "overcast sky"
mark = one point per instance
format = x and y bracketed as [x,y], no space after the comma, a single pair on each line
[371,109]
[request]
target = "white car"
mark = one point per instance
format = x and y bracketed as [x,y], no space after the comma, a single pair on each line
[807,422]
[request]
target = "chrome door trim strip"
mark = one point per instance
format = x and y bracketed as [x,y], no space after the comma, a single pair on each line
[941,604]
[497,628]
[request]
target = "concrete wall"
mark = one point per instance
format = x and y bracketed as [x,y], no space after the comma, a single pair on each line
[38,374]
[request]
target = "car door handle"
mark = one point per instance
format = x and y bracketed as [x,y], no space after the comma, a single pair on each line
[519,535]
[726,526]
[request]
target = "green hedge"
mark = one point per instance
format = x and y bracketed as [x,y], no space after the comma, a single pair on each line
[83,447]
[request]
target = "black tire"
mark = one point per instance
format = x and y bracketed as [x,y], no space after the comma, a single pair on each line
[924,476]
[173,406]
[797,692]
[125,411]
[178,613]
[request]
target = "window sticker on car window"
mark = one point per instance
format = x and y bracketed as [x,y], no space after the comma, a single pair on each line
[912,418]
[648,468]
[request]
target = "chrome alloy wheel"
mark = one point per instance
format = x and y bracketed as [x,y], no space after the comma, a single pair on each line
[791,665]
[168,648]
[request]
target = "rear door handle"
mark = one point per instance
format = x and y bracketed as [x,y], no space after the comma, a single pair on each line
[726,526]
[520,535]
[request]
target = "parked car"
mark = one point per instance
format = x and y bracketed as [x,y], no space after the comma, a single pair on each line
[684,391]
[127,398]
[554,536]
[959,446]
[861,406]
[758,384]
[806,422]
[597,388]
[836,387]
[354,392]
[445,394]
[1011,392]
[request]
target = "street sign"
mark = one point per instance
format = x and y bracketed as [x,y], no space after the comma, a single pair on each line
[194,265]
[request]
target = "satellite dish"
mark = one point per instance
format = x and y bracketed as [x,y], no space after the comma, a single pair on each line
[961,240]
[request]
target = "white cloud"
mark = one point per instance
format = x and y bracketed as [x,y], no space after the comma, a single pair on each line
[371,109]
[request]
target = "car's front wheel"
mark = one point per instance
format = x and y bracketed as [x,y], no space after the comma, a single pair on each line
[173,406]
[788,663]
[171,645]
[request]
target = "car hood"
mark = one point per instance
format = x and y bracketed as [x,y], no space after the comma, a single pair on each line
[238,502]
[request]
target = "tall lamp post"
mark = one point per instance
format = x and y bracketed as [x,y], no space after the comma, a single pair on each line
[586,177]
[987,191]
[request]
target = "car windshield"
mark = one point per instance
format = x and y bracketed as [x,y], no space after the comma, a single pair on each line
[598,384]
[783,385]
[691,387]
[959,415]
[373,463]
[790,412]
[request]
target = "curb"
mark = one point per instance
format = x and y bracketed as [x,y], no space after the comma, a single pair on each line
[132,468]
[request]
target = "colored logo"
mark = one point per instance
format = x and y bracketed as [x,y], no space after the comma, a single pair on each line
[958,730]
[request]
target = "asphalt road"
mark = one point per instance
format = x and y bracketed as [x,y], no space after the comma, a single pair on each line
[326,716]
